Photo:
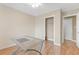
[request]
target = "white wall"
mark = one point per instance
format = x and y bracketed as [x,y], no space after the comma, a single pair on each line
[14,23]
[68,29]
[40,26]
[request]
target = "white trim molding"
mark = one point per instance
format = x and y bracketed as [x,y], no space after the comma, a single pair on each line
[57,44]
[4,47]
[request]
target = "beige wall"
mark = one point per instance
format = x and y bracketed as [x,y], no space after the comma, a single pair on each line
[40,26]
[14,23]
[70,13]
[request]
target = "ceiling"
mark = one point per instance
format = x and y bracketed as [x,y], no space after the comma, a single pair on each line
[44,8]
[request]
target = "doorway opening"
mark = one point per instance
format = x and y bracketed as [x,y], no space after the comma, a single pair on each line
[70,28]
[49,28]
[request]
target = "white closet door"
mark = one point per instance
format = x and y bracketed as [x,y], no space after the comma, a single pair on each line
[68,29]
[50,29]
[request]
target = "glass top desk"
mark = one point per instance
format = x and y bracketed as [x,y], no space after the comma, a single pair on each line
[28,45]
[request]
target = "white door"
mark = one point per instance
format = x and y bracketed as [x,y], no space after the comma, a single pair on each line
[50,28]
[68,33]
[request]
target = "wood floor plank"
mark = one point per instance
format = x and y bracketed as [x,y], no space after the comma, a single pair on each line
[68,48]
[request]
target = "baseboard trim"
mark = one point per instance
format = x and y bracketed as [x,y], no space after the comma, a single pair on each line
[54,43]
[51,39]
[71,40]
[77,45]
[57,44]
[7,46]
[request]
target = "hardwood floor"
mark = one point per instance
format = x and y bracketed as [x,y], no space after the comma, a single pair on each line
[68,48]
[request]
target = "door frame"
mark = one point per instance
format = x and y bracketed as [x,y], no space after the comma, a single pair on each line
[63,24]
[46,36]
